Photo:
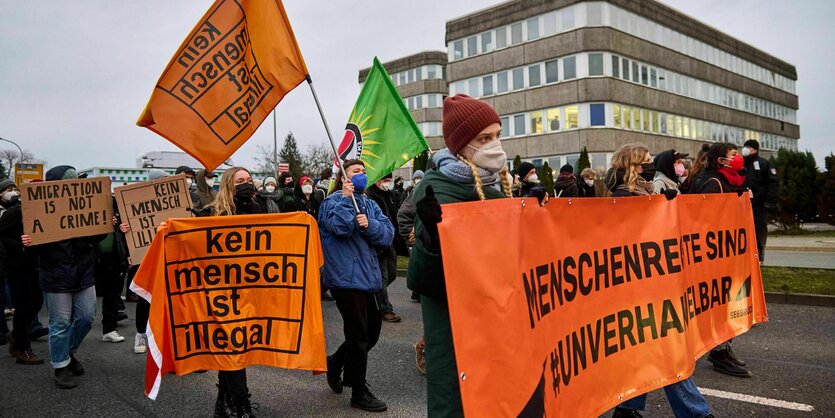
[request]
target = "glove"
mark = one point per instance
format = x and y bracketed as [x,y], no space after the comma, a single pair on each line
[539,193]
[669,193]
[739,192]
[429,211]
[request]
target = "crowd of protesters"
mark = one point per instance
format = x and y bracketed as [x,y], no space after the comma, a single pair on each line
[364,228]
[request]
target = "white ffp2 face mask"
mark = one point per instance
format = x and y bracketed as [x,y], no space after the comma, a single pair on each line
[533,179]
[307,189]
[9,195]
[269,189]
[490,157]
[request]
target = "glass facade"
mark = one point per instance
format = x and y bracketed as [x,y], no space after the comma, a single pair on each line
[424,72]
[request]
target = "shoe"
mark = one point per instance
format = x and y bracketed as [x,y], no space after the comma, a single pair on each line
[38,333]
[27,357]
[334,375]
[415,297]
[722,363]
[132,298]
[121,316]
[10,341]
[626,413]
[8,312]
[420,359]
[112,337]
[140,344]
[733,358]
[223,404]
[64,378]
[75,366]
[366,400]
[391,317]
[244,409]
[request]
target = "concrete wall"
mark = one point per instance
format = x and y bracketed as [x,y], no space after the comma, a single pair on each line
[423,87]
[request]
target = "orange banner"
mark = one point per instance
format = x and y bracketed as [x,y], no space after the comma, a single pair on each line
[568,310]
[232,291]
[234,67]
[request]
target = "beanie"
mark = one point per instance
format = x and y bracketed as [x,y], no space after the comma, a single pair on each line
[5,183]
[752,143]
[464,118]
[567,169]
[524,169]
[418,175]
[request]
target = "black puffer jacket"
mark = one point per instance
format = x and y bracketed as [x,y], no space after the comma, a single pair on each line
[67,266]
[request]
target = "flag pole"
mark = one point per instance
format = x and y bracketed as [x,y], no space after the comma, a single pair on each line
[330,137]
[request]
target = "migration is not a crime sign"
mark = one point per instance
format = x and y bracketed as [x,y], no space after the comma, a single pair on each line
[233,291]
[58,210]
[145,205]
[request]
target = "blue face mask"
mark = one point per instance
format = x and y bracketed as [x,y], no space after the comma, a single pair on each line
[359,181]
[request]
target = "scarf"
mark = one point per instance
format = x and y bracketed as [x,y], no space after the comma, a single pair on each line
[732,176]
[642,187]
[460,172]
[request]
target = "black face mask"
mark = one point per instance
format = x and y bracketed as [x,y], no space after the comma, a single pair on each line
[244,192]
[649,171]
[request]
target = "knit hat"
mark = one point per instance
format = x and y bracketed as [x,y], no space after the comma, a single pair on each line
[269,180]
[304,179]
[417,175]
[752,143]
[185,169]
[156,173]
[61,172]
[567,169]
[464,118]
[524,169]
[5,183]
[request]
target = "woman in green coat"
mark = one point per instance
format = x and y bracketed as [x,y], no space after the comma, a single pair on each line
[472,167]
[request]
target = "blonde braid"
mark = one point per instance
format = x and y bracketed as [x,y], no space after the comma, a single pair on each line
[506,187]
[479,187]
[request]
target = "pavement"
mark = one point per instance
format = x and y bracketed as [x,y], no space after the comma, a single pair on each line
[791,357]
[801,251]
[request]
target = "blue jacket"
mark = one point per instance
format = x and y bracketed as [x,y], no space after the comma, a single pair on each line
[350,253]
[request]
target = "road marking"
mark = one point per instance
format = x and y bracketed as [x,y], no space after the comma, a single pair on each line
[758,400]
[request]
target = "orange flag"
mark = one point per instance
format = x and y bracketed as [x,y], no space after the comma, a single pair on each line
[234,67]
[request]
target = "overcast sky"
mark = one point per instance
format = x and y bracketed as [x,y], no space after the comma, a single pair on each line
[75,75]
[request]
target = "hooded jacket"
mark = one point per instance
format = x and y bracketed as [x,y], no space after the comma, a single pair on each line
[205,194]
[350,252]
[567,184]
[665,172]
[311,206]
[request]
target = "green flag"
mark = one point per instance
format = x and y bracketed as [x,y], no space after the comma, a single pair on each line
[381,132]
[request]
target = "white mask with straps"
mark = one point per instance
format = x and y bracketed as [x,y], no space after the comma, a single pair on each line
[490,157]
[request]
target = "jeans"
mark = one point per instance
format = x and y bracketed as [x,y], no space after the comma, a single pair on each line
[361,324]
[684,397]
[70,319]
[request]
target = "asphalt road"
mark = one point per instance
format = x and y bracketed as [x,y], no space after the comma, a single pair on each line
[808,259]
[792,359]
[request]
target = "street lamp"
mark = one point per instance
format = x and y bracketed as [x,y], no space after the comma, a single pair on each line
[13,143]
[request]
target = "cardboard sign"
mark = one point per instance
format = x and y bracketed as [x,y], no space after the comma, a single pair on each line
[145,205]
[25,173]
[233,291]
[58,210]
[590,314]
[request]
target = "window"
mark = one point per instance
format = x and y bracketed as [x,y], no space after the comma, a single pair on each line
[569,68]
[516,33]
[625,69]
[433,101]
[685,129]
[459,87]
[410,103]
[553,119]
[653,78]
[518,78]
[486,42]
[473,87]
[636,119]
[519,124]
[533,28]
[567,18]
[549,24]
[551,73]
[654,122]
[501,37]
[594,14]
[678,126]
[645,118]
[402,78]
[662,121]
[505,126]
[458,50]
[615,66]
[636,76]
[501,80]
[536,122]
[410,76]
[472,43]
[431,72]
[533,76]
[418,102]
[487,85]
[618,120]
[662,80]
[571,117]
[671,125]
[627,117]
[595,64]
[597,114]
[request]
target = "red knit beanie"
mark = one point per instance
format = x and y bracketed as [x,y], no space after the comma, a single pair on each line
[464,118]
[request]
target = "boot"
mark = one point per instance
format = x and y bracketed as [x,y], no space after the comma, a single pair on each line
[222,404]
[75,366]
[334,375]
[12,346]
[28,357]
[244,408]
[64,379]
[362,398]
[722,363]
[733,357]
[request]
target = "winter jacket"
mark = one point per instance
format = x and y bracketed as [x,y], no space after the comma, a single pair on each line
[584,190]
[205,194]
[13,256]
[67,266]
[762,179]
[311,206]
[711,181]
[406,219]
[387,201]
[566,186]
[350,252]
[426,275]
[662,182]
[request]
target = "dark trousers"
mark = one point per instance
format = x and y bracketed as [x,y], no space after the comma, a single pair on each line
[234,383]
[143,309]
[109,283]
[28,300]
[761,228]
[361,324]
[388,269]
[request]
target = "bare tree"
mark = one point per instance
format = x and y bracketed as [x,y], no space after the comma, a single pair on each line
[317,157]
[265,161]
[10,157]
